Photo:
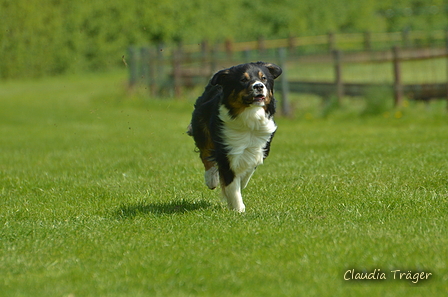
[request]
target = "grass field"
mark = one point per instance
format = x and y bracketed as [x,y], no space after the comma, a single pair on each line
[101,194]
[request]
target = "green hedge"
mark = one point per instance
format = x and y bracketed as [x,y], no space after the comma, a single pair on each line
[48,37]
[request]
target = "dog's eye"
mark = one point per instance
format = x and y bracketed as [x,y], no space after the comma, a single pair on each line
[244,80]
[263,78]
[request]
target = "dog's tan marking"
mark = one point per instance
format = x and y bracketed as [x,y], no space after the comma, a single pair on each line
[268,99]
[236,102]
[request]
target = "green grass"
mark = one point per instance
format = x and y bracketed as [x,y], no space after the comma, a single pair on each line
[101,194]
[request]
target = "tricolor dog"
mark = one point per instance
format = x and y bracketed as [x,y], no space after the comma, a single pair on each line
[232,126]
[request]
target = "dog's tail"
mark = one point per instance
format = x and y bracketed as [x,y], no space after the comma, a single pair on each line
[190,130]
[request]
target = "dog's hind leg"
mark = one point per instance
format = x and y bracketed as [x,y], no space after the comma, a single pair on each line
[211,177]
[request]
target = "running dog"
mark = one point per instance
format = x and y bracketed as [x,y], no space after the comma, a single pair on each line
[233,126]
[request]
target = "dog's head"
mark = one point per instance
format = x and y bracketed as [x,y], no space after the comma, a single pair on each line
[246,85]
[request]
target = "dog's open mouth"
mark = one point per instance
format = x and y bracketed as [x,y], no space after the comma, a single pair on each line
[259,98]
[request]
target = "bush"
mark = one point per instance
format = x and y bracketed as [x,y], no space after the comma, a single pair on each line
[377,101]
[331,104]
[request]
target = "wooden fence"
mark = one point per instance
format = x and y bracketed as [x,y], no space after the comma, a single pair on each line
[396,56]
[169,70]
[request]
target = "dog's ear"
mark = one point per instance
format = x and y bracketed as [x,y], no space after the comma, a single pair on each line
[273,69]
[219,76]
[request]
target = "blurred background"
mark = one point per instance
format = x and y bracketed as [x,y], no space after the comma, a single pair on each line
[329,49]
[41,38]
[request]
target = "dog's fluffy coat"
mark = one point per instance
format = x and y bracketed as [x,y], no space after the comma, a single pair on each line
[233,126]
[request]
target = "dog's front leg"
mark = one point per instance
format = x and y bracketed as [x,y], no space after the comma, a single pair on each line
[232,193]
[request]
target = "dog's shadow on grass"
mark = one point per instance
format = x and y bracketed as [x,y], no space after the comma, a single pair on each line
[126,211]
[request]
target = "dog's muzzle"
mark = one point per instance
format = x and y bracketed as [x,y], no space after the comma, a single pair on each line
[259,91]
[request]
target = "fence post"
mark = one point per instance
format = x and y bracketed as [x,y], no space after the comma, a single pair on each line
[144,65]
[177,75]
[133,66]
[261,45]
[446,61]
[161,75]
[284,83]
[331,42]
[213,59]
[292,44]
[152,72]
[367,41]
[229,48]
[205,53]
[247,55]
[338,74]
[398,87]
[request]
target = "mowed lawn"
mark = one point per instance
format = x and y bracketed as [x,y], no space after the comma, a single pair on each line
[102,194]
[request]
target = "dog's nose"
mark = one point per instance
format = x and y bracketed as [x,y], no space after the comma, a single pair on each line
[258,86]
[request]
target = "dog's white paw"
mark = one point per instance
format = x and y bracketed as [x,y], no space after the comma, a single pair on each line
[240,208]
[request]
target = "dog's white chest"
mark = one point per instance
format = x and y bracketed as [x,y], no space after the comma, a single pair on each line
[245,137]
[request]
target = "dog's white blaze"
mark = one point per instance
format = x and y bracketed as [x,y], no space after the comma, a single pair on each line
[245,137]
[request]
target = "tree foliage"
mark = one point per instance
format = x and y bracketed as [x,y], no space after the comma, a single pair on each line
[47,37]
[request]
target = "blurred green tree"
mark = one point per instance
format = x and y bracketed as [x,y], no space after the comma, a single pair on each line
[48,37]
